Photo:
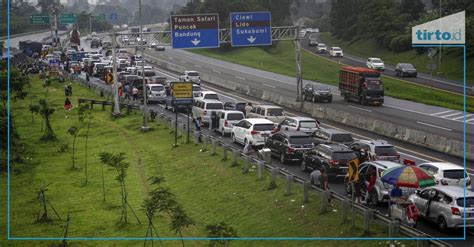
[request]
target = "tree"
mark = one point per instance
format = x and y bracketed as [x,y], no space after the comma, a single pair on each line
[414,8]
[220,231]
[180,220]
[73,131]
[46,112]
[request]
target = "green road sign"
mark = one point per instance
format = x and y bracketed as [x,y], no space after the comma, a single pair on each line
[67,18]
[100,17]
[38,19]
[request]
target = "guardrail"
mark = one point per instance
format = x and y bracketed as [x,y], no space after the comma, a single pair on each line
[368,214]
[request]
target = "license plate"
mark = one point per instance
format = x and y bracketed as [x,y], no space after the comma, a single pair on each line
[344,170]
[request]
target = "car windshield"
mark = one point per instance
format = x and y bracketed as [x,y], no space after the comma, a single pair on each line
[149,73]
[235,116]
[336,49]
[342,138]
[308,124]
[343,156]
[157,88]
[215,106]
[211,96]
[275,112]
[263,127]
[455,174]
[321,45]
[193,74]
[196,88]
[376,61]
[301,140]
[469,202]
[386,151]
[374,85]
[406,66]
[322,88]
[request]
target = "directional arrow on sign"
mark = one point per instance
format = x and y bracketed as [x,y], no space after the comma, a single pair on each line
[195,41]
[251,39]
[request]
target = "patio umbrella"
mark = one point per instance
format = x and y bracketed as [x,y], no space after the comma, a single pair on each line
[408,176]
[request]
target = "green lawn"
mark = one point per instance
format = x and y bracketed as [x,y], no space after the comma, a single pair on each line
[210,190]
[281,59]
[451,65]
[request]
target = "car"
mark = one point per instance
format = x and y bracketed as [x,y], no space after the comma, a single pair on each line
[159,48]
[89,37]
[191,76]
[405,69]
[334,158]
[132,42]
[196,90]
[375,63]
[299,124]
[381,190]
[252,131]
[208,95]
[203,108]
[227,119]
[303,33]
[125,39]
[158,79]
[444,205]
[313,40]
[148,73]
[234,105]
[289,146]
[271,112]
[317,92]
[447,173]
[326,135]
[153,44]
[127,79]
[321,48]
[121,76]
[381,150]
[336,52]
[155,93]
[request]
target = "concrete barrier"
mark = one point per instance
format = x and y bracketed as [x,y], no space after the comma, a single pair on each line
[417,137]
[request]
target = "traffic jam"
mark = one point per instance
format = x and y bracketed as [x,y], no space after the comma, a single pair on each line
[372,171]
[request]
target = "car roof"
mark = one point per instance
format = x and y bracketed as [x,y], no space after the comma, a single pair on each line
[333,131]
[302,118]
[258,121]
[293,133]
[190,71]
[378,143]
[231,111]
[268,106]
[454,191]
[336,147]
[384,164]
[443,165]
[336,47]
[372,58]
[154,84]
[210,100]
[208,92]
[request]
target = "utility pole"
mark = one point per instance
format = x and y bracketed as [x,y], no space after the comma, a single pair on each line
[145,108]
[90,23]
[299,77]
[114,64]
[440,47]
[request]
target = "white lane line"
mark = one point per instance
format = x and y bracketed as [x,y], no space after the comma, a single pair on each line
[450,115]
[470,120]
[269,85]
[198,66]
[217,71]
[241,78]
[362,109]
[434,126]
[422,113]
[457,118]
[440,113]
[170,57]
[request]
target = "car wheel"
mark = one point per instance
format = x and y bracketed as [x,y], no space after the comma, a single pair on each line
[348,187]
[442,225]
[374,198]
[330,100]
[303,166]
[245,142]
[282,158]
[233,138]
[304,96]
[396,74]
[223,132]
[313,99]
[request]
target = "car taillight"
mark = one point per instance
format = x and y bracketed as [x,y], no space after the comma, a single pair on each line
[455,211]
[253,132]
[204,112]
[333,162]
[290,150]
[444,182]
[226,123]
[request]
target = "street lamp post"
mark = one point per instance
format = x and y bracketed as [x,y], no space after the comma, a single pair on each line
[145,108]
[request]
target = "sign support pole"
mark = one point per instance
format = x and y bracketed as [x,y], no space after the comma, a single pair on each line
[353,204]
[145,107]
[299,77]
[175,126]
[116,96]
[187,138]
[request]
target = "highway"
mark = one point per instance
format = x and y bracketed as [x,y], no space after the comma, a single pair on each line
[424,79]
[14,41]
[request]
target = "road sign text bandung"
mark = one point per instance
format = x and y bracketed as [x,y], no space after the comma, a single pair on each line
[38,19]
[182,90]
[195,31]
[251,28]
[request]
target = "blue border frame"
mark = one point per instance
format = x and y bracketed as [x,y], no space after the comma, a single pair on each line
[205,238]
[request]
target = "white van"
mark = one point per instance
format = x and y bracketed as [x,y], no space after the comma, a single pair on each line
[203,108]
[227,120]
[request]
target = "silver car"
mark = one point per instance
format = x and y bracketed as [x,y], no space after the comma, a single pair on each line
[444,205]
[156,93]
[304,124]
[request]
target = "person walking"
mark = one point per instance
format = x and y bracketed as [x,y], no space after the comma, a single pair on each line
[248,109]
[314,176]
[324,182]
[197,124]
[135,93]
[370,187]
[127,91]
[247,148]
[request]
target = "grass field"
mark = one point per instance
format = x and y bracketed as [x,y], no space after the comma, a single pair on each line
[209,190]
[281,59]
[451,66]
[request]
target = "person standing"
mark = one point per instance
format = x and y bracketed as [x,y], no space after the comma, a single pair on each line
[248,109]
[370,187]
[314,176]
[135,93]
[324,182]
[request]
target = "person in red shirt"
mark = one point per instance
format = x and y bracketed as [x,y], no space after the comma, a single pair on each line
[370,187]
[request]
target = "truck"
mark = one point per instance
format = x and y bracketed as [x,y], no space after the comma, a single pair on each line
[135,31]
[30,47]
[361,85]
[75,37]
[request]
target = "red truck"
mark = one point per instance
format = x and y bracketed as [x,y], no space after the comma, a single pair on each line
[361,85]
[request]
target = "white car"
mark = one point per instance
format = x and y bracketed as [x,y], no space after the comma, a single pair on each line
[191,76]
[447,173]
[227,120]
[155,93]
[203,109]
[336,52]
[252,130]
[375,63]
[382,150]
[89,37]
[208,95]
[273,113]
[125,39]
[321,48]
[299,124]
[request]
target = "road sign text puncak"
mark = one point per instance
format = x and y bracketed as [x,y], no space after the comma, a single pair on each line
[195,31]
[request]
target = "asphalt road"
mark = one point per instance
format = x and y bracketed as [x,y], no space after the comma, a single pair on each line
[424,79]
[432,119]
[14,42]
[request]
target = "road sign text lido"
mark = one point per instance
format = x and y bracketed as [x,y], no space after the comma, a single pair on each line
[251,28]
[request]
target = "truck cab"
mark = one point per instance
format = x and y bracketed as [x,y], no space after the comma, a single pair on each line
[361,85]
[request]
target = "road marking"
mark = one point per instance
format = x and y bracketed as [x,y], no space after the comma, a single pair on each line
[269,85]
[439,113]
[197,66]
[217,71]
[469,121]
[450,115]
[422,113]
[170,57]
[362,109]
[241,78]
[434,126]
[468,115]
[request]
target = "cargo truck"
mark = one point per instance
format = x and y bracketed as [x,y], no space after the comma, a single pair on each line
[361,85]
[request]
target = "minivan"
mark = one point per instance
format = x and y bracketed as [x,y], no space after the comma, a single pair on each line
[203,108]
